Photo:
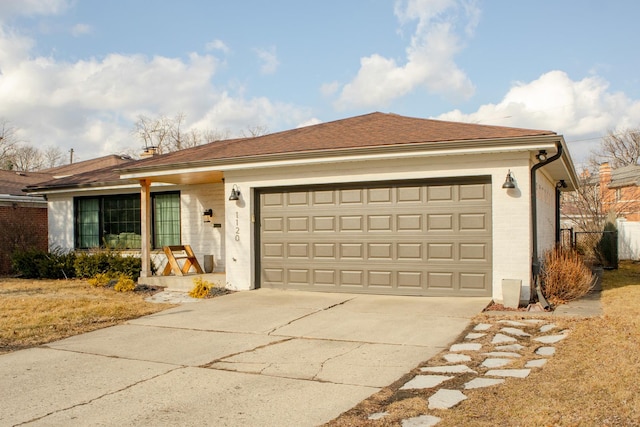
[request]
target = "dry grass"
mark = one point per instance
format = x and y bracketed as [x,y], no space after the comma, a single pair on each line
[34,312]
[592,380]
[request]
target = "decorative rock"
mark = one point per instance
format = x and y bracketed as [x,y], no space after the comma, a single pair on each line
[515,331]
[378,415]
[495,363]
[474,335]
[502,354]
[512,323]
[421,421]
[466,347]
[510,347]
[550,339]
[546,351]
[445,399]
[425,381]
[482,382]
[546,328]
[538,363]
[501,338]
[452,369]
[514,373]
[482,327]
[457,358]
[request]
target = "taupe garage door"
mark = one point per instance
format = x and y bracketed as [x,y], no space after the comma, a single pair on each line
[410,238]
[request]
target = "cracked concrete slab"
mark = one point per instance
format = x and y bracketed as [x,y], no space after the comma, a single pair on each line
[216,398]
[332,361]
[156,344]
[39,381]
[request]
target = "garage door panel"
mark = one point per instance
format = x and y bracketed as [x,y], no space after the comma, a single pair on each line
[423,239]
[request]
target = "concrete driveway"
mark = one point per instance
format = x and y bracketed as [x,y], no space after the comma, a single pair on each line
[258,358]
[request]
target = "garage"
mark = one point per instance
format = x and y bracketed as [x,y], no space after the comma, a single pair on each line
[427,237]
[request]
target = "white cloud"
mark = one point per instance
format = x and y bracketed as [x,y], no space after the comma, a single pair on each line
[81,29]
[269,60]
[312,121]
[9,8]
[581,110]
[90,105]
[429,57]
[217,45]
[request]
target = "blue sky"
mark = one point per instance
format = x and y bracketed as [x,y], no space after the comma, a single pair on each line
[77,74]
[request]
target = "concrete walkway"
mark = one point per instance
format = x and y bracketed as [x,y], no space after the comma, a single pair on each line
[250,358]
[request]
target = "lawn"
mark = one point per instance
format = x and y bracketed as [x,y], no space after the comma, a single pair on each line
[34,312]
[592,380]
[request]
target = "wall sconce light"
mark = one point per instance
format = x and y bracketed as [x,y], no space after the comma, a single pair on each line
[207,215]
[235,193]
[509,182]
[541,156]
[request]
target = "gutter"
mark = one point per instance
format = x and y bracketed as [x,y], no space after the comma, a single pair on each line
[535,262]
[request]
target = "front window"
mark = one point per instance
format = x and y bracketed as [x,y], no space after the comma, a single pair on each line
[114,221]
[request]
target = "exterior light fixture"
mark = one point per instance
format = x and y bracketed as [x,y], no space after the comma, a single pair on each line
[207,215]
[542,155]
[235,193]
[509,182]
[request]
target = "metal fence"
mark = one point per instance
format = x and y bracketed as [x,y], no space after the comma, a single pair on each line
[598,247]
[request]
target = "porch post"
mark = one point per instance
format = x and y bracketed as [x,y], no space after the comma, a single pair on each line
[145,223]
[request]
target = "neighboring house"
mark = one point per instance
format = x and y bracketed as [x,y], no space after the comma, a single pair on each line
[615,191]
[23,218]
[378,203]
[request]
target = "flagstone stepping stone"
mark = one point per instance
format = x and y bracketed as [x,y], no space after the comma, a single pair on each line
[510,347]
[482,327]
[514,373]
[546,328]
[512,323]
[474,335]
[546,351]
[515,331]
[502,354]
[482,382]
[421,421]
[538,363]
[451,369]
[377,416]
[445,399]
[550,339]
[425,381]
[457,358]
[534,321]
[501,339]
[466,347]
[496,363]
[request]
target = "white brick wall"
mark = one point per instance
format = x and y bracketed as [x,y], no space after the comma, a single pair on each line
[511,213]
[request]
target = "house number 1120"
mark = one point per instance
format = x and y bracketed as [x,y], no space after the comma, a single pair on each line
[237,236]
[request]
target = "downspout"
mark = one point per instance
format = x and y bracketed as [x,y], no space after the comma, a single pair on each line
[535,262]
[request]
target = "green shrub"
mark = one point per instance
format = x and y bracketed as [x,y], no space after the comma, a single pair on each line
[94,263]
[37,264]
[564,275]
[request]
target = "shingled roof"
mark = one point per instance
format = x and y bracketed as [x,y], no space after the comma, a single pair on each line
[369,130]
[12,182]
[88,165]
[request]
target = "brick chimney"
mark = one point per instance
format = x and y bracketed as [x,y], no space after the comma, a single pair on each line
[605,174]
[149,151]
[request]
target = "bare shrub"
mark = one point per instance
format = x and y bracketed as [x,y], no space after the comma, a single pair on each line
[565,276]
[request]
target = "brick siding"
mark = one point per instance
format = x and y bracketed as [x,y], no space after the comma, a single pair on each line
[21,227]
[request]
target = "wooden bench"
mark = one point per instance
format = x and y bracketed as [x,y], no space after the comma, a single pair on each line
[175,253]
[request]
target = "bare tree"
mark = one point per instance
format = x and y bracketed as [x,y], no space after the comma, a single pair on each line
[619,148]
[8,143]
[52,156]
[253,131]
[167,133]
[27,158]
